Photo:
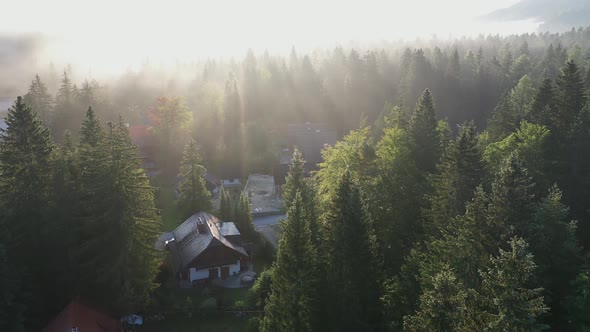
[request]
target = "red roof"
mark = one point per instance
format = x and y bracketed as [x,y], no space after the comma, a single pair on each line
[84,318]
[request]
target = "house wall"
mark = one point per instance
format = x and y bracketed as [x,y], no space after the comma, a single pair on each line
[198,274]
[215,256]
[204,273]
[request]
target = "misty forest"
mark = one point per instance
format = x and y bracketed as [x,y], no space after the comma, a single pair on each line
[454,197]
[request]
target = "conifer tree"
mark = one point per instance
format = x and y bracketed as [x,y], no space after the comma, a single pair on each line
[423,131]
[553,242]
[504,119]
[12,307]
[94,179]
[194,196]
[442,308]
[39,99]
[25,151]
[353,263]
[511,205]
[172,118]
[295,178]
[397,196]
[459,174]
[232,119]
[292,303]
[522,96]
[513,303]
[296,182]
[65,200]
[579,303]
[226,209]
[25,181]
[66,115]
[137,218]
[530,143]
[571,99]
[118,222]
[243,218]
[544,105]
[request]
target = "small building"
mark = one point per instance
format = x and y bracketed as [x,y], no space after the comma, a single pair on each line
[232,186]
[80,317]
[204,248]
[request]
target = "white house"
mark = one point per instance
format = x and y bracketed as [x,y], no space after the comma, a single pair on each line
[204,248]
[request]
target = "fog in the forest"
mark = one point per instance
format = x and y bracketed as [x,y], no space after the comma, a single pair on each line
[105,39]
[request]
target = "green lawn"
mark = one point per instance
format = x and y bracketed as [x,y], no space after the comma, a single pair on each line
[226,297]
[178,318]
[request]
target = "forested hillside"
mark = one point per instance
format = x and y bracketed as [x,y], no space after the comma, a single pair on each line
[456,199]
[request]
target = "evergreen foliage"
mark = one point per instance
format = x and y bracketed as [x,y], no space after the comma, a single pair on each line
[394,230]
[294,181]
[422,129]
[39,99]
[292,303]
[194,196]
[459,174]
[25,194]
[512,303]
[118,221]
[353,263]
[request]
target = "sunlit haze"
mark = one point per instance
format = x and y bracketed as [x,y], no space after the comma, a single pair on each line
[110,36]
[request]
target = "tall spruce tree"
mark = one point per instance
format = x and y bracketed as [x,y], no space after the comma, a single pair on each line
[423,131]
[293,305]
[512,202]
[25,181]
[504,119]
[296,182]
[295,178]
[172,119]
[243,219]
[66,115]
[579,303]
[571,98]
[194,196]
[459,174]
[39,99]
[118,221]
[226,206]
[544,105]
[396,196]
[25,151]
[442,308]
[513,303]
[553,242]
[13,308]
[353,262]
[65,200]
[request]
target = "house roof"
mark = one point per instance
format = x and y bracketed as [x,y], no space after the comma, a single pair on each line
[84,318]
[227,228]
[231,183]
[189,243]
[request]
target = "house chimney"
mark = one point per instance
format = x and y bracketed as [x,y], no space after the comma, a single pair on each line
[201,228]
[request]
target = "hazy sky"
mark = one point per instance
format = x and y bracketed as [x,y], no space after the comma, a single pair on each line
[111,34]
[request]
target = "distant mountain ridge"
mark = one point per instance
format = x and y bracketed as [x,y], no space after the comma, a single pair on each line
[555,16]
